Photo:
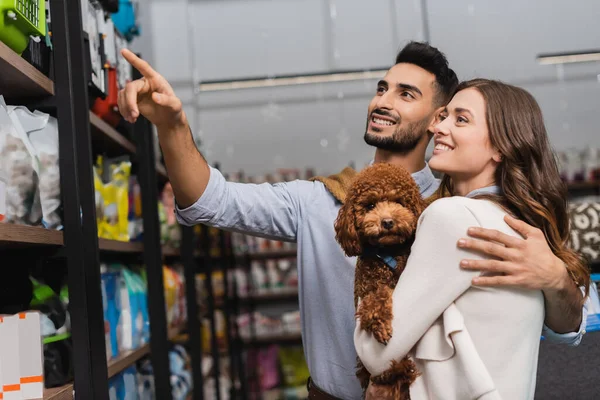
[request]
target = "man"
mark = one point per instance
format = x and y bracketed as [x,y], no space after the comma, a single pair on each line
[400,120]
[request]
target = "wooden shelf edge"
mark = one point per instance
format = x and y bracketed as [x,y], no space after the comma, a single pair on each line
[59,393]
[284,338]
[120,247]
[13,234]
[127,359]
[21,79]
[278,254]
[175,331]
[271,296]
[168,251]
[102,127]
[589,185]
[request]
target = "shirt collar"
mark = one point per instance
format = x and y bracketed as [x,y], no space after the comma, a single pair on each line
[494,189]
[423,178]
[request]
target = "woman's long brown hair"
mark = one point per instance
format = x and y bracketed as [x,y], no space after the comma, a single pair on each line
[528,174]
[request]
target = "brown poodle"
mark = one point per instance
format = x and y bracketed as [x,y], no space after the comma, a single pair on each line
[377,223]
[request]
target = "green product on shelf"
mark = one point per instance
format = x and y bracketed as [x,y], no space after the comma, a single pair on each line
[21,19]
[293,366]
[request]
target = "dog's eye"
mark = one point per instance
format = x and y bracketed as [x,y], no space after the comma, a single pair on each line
[370,206]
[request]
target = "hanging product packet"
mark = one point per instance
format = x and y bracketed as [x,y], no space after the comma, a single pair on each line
[116,201]
[99,198]
[18,171]
[42,130]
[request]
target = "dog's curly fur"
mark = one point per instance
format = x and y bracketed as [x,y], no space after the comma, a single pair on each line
[380,213]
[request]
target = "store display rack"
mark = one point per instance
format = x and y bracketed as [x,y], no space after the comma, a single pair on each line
[81,133]
[19,78]
[584,186]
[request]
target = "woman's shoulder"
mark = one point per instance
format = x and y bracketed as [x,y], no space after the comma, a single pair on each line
[459,210]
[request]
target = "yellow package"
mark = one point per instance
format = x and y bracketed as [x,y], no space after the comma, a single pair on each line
[99,198]
[111,215]
[170,284]
[206,336]
[120,182]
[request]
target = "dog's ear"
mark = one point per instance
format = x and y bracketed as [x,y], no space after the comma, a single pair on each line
[345,231]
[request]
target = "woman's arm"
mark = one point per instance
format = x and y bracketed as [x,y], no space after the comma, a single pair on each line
[431,281]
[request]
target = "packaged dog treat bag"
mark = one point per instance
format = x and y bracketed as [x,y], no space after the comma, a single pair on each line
[18,169]
[42,131]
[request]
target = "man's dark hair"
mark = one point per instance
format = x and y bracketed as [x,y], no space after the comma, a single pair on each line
[431,59]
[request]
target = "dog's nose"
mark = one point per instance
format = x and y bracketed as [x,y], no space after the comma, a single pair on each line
[387,223]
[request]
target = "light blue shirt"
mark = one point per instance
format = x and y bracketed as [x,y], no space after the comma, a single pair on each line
[304,212]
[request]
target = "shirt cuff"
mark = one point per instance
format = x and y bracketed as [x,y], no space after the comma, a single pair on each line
[569,338]
[205,208]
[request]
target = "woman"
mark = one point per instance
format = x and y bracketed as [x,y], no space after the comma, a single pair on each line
[470,342]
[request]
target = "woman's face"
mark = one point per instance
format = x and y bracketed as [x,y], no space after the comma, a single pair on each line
[462,143]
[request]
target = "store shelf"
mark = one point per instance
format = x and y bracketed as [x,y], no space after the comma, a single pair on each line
[168,251]
[180,339]
[284,339]
[125,360]
[59,393]
[115,246]
[12,235]
[108,245]
[175,331]
[20,79]
[272,296]
[273,254]
[590,185]
[222,353]
[106,138]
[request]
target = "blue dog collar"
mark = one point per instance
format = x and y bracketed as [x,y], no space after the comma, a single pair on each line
[390,261]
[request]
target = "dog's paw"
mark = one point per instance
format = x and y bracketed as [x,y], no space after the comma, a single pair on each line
[375,314]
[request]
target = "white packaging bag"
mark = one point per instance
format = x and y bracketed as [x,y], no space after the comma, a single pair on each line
[18,168]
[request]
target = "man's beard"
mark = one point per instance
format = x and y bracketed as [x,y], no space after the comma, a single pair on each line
[404,139]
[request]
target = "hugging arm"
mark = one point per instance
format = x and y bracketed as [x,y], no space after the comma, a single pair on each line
[430,282]
[529,263]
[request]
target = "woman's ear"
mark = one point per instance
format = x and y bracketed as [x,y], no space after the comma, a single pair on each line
[345,231]
[497,157]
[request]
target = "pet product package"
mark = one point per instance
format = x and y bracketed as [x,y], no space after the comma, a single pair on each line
[593,318]
[145,381]
[18,169]
[293,366]
[181,379]
[134,314]
[116,389]
[135,220]
[42,130]
[130,385]
[116,202]
[260,282]
[128,339]
[31,356]
[9,357]
[170,230]
[112,313]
